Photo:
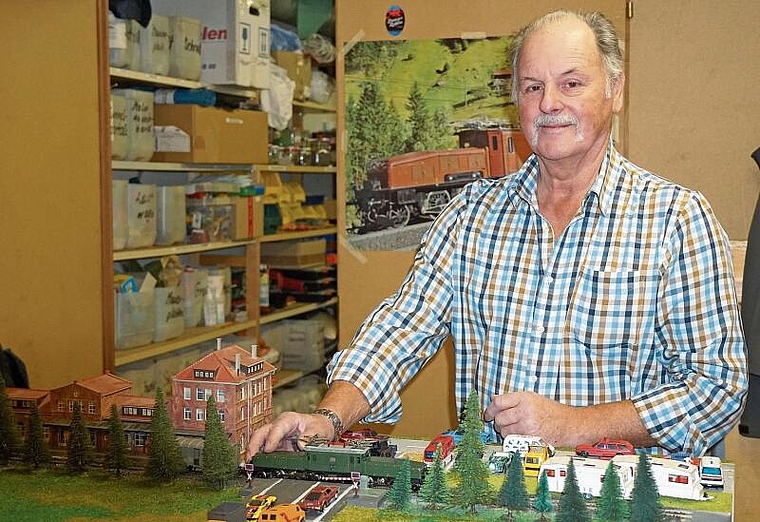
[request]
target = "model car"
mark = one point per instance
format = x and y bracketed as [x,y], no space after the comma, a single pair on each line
[257,504]
[283,513]
[319,498]
[605,449]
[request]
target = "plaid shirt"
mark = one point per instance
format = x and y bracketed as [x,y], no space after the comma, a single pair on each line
[635,300]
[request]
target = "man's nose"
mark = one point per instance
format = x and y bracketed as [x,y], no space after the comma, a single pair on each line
[551,99]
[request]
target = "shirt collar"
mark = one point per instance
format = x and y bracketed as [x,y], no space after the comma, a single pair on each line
[524,182]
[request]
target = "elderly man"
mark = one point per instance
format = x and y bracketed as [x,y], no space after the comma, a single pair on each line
[585,296]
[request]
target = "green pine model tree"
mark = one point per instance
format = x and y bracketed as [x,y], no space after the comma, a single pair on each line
[219,462]
[79,447]
[435,491]
[645,498]
[611,506]
[165,455]
[9,436]
[36,451]
[400,495]
[513,494]
[572,507]
[117,458]
[543,501]
[473,487]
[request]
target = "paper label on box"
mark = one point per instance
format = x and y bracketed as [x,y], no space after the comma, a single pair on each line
[171,139]
[245,38]
[117,34]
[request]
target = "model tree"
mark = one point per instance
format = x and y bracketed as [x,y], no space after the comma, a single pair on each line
[543,501]
[219,462]
[165,455]
[473,487]
[9,436]
[434,491]
[36,451]
[645,499]
[400,495]
[572,508]
[116,458]
[611,507]
[513,494]
[79,447]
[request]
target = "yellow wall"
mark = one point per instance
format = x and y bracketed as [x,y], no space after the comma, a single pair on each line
[50,270]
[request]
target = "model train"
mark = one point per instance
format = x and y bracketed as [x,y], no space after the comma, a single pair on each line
[419,184]
[334,464]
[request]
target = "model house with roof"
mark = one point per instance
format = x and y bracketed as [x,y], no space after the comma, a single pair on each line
[241,383]
[95,395]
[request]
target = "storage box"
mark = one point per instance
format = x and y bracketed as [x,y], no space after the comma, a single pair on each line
[294,253]
[304,345]
[134,319]
[215,135]
[299,70]
[248,217]
[235,38]
[209,219]
[169,313]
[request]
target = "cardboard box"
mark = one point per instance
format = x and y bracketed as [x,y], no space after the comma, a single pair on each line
[248,217]
[235,38]
[294,253]
[213,135]
[299,70]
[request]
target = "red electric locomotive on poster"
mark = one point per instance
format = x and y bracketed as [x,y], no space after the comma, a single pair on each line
[418,185]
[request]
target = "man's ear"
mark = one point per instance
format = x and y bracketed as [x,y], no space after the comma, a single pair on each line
[617,93]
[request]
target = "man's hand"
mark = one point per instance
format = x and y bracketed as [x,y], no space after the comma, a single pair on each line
[527,413]
[288,432]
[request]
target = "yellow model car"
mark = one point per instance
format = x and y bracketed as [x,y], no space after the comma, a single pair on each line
[257,504]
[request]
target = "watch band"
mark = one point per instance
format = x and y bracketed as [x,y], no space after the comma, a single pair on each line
[338,428]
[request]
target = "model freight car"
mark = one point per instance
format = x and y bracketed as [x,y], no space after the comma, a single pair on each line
[335,464]
[420,184]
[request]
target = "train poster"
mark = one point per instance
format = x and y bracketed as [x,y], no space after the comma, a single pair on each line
[423,119]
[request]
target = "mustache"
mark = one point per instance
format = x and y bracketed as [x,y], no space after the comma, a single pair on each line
[544,120]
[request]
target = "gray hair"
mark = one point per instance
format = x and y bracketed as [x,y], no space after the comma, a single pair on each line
[606,41]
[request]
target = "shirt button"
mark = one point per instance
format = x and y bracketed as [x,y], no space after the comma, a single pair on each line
[540,329]
[549,279]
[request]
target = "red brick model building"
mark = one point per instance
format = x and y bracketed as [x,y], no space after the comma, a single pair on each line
[95,396]
[241,383]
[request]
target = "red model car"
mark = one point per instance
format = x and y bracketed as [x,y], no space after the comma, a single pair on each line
[605,449]
[319,498]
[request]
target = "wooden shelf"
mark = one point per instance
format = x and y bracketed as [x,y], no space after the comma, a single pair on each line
[295,310]
[314,106]
[285,377]
[142,253]
[169,81]
[189,337]
[296,169]
[180,167]
[300,234]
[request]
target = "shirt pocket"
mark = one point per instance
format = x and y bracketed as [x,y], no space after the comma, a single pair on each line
[613,307]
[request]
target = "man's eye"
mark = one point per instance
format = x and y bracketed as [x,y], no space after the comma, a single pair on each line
[533,88]
[572,84]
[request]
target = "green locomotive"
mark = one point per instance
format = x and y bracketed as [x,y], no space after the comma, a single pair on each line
[334,464]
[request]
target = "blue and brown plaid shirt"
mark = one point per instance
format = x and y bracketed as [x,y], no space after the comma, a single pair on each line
[635,300]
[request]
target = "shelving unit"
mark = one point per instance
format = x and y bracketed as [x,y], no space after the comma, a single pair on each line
[228,252]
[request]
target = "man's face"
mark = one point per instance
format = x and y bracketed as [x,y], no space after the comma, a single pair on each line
[564,110]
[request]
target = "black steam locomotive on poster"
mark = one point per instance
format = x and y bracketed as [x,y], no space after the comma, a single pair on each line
[418,185]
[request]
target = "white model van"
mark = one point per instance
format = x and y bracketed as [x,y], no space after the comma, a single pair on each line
[522,443]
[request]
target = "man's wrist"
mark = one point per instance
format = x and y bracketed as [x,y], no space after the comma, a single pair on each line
[337,424]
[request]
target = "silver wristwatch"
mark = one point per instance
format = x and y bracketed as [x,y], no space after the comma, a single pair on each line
[338,428]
